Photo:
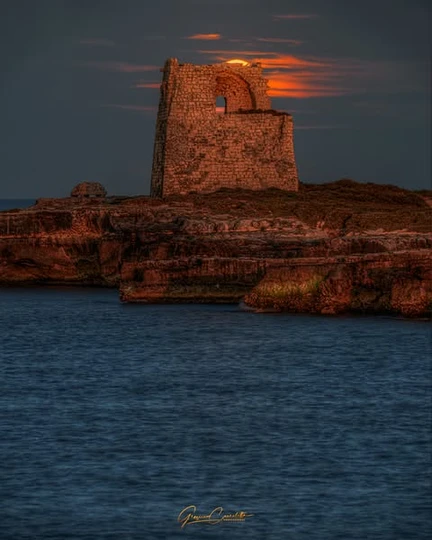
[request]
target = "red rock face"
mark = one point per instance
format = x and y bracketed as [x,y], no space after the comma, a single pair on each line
[326,249]
[400,283]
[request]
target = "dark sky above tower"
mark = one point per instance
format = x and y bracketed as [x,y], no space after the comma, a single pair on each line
[79,85]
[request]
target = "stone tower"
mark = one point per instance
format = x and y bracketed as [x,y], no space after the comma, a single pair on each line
[198,149]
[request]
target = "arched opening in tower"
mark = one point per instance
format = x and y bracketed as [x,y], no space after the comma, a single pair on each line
[236,91]
[221,105]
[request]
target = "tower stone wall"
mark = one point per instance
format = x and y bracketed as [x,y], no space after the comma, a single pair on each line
[198,149]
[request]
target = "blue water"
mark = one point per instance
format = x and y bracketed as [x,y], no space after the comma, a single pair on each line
[116,417]
[9,204]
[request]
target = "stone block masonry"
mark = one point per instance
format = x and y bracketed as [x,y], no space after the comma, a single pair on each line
[198,149]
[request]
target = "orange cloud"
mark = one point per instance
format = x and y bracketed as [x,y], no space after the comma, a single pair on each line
[121,67]
[136,108]
[230,54]
[205,37]
[281,40]
[147,85]
[288,61]
[269,59]
[296,16]
[301,84]
[310,77]
[291,76]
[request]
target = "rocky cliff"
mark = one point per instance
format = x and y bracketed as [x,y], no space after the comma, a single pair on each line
[328,248]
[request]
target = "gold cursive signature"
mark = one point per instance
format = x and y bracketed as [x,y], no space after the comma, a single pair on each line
[188,516]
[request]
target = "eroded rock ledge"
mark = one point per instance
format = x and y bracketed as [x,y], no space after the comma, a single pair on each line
[327,249]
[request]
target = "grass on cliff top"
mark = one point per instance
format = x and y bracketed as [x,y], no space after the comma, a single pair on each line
[285,289]
[343,192]
[344,204]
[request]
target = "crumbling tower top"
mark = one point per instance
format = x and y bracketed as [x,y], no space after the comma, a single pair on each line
[197,149]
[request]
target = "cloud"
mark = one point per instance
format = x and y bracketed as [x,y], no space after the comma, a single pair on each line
[226,53]
[302,84]
[121,67]
[147,85]
[268,59]
[296,16]
[311,77]
[135,108]
[97,42]
[280,40]
[205,37]
[289,75]
[290,62]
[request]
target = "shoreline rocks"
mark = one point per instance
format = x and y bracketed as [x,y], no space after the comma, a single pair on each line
[341,247]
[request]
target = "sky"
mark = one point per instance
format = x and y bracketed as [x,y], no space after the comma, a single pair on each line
[79,85]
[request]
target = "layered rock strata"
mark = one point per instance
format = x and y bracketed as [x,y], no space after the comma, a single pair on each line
[326,249]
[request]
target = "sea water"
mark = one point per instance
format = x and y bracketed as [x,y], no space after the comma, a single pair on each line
[15,204]
[114,418]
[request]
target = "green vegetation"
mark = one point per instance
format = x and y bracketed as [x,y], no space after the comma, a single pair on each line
[281,290]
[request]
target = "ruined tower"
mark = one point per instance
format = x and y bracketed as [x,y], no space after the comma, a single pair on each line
[200,149]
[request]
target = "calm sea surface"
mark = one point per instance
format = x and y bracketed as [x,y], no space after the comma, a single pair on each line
[116,417]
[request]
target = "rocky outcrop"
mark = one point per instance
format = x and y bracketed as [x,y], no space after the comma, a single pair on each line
[326,249]
[89,189]
[397,283]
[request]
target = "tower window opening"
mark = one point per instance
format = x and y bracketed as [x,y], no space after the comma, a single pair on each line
[221,106]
